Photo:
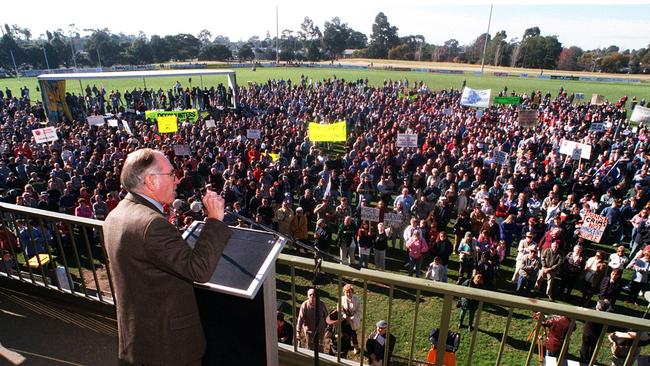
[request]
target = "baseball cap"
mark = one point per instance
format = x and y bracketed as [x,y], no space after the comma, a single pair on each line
[382,324]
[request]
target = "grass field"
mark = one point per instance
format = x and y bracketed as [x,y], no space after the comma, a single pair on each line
[611,91]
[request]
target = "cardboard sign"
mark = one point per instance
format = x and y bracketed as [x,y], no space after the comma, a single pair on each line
[567,147]
[640,114]
[407,140]
[370,214]
[127,128]
[182,150]
[501,158]
[597,99]
[392,219]
[95,120]
[597,127]
[112,122]
[580,96]
[210,123]
[575,155]
[593,227]
[527,117]
[46,134]
[167,124]
[252,133]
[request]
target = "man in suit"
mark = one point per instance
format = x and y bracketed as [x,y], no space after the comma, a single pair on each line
[153,267]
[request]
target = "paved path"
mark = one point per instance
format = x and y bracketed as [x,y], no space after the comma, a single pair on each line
[36,332]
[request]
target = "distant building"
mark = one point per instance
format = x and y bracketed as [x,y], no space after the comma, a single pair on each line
[349,53]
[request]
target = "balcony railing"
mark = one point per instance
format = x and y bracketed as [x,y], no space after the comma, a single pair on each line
[73,260]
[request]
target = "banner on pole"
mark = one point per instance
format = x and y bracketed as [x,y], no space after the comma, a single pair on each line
[593,227]
[47,134]
[507,100]
[370,214]
[527,117]
[333,132]
[253,133]
[475,98]
[190,114]
[567,147]
[167,124]
[640,114]
[95,120]
[407,140]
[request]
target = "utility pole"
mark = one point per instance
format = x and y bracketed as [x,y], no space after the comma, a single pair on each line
[46,61]
[14,61]
[486,40]
[74,58]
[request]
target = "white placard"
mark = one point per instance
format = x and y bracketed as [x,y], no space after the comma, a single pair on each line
[407,140]
[95,120]
[253,133]
[210,123]
[576,154]
[476,98]
[112,122]
[125,124]
[393,219]
[46,134]
[501,158]
[370,214]
[182,150]
[567,147]
[640,114]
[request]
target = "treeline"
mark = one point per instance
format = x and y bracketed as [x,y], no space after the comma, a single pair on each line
[101,47]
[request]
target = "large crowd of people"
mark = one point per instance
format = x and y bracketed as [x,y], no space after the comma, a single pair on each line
[457,204]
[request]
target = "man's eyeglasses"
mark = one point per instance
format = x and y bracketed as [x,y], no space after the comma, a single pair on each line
[171,174]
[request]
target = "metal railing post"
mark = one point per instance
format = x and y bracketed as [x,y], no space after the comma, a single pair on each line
[444,328]
[504,338]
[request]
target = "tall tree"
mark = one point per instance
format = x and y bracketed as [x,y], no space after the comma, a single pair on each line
[568,59]
[335,37]
[214,52]
[383,37]
[246,52]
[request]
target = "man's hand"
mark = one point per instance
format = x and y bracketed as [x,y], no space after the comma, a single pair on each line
[214,205]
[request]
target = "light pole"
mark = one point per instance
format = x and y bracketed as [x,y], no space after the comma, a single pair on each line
[486,40]
[74,58]
[46,61]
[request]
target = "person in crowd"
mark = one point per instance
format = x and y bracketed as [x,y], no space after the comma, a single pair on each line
[376,345]
[347,240]
[379,246]
[149,257]
[639,281]
[618,260]
[572,268]
[466,257]
[469,306]
[285,330]
[551,266]
[610,286]
[591,332]
[436,271]
[594,271]
[311,321]
[528,272]
[298,226]
[556,327]
[352,314]
[417,248]
[364,240]
[621,344]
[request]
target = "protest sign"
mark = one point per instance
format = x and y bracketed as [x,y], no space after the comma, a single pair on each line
[167,124]
[640,114]
[593,227]
[567,147]
[580,96]
[479,113]
[46,134]
[126,126]
[190,114]
[597,127]
[576,154]
[370,214]
[252,133]
[507,100]
[392,219]
[333,132]
[475,98]
[597,99]
[527,117]
[407,140]
[274,157]
[501,158]
[112,122]
[210,123]
[95,120]
[447,111]
[182,149]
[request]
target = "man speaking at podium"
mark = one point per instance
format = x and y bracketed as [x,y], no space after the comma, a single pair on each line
[153,267]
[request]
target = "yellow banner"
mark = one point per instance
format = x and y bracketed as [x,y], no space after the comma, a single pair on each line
[274,157]
[333,132]
[167,124]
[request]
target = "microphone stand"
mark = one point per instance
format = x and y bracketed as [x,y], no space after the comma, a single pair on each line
[318,261]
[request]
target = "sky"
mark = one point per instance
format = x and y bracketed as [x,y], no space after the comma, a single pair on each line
[594,24]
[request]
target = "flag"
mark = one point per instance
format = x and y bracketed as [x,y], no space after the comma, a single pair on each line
[475,98]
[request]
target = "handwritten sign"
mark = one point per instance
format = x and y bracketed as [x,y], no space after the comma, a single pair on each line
[593,227]
[407,140]
[393,219]
[597,99]
[95,120]
[46,134]
[640,114]
[597,127]
[501,158]
[182,150]
[210,123]
[370,214]
[527,117]
[567,147]
[253,133]
[576,154]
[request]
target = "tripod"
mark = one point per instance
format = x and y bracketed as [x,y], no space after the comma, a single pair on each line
[540,340]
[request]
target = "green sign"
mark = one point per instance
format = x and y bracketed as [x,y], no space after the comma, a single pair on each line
[401,95]
[191,114]
[507,100]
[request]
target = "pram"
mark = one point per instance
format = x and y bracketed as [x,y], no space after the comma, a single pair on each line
[451,346]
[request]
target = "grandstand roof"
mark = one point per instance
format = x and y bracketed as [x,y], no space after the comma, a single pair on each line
[133,74]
